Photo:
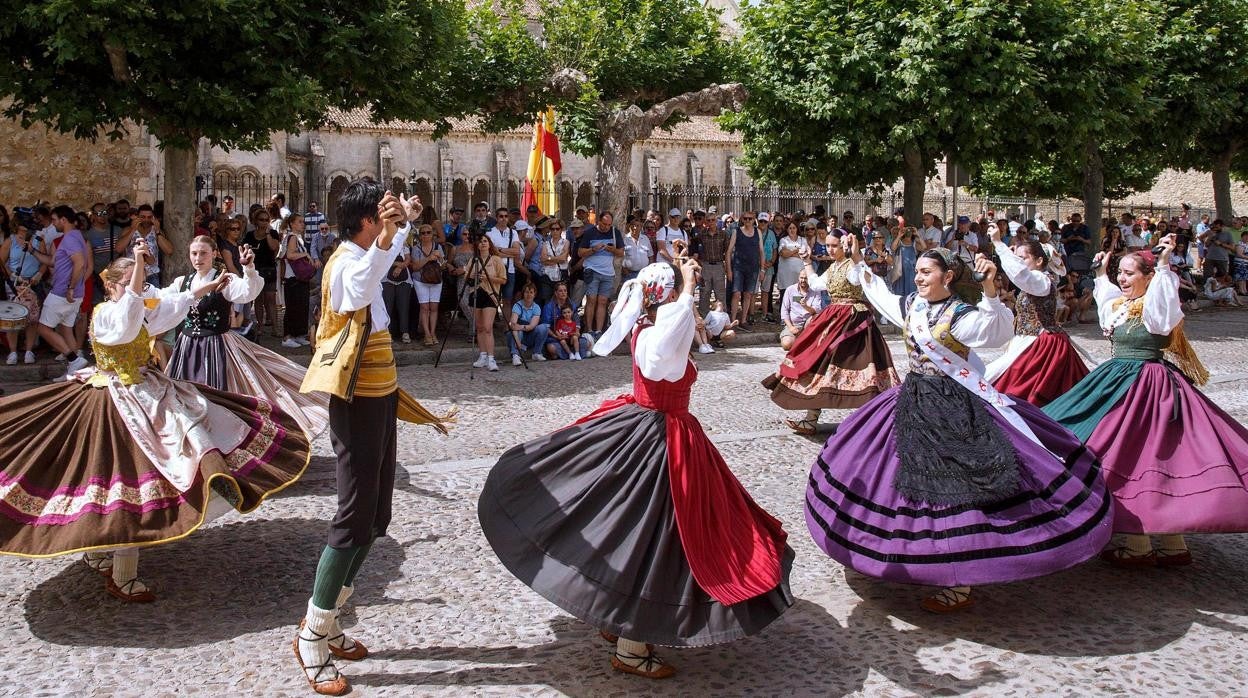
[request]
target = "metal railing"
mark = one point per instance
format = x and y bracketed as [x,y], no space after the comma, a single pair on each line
[442,194]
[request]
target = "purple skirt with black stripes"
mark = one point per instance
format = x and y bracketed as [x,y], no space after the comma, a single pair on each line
[1059,516]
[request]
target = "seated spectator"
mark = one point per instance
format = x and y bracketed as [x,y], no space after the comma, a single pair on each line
[552,312]
[799,304]
[1080,299]
[525,328]
[566,331]
[1221,290]
[714,329]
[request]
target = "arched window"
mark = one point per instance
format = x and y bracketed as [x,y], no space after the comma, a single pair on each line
[459,195]
[294,192]
[481,192]
[398,185]
[336,189]
[566,199]
[584,195]
[425,192]
[513,194]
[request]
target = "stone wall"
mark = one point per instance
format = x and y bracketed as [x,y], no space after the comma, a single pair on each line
[39,164]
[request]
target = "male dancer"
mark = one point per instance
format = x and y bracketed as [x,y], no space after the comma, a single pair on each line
[354,363]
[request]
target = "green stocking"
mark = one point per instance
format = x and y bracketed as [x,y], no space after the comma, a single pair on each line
[331,574]
[360,553]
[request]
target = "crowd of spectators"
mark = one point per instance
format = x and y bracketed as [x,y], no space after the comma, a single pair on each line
[548,284]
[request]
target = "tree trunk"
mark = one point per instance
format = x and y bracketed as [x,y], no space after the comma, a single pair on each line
[914,177]
[1093,190]
[624,127]
[179,221]
[616,163]
[1222,185]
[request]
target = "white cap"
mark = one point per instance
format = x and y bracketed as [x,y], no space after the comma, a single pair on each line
[764,216]
[675,212]
[713,210]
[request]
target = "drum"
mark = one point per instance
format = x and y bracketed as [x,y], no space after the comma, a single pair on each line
[13,316]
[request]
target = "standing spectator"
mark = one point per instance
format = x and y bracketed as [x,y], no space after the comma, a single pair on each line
[462,262]
[638,251]
[1126,222]
[767,282]
[745,254]
[23,271]
[101,249]
[553,253]
[551,312]
[525,331]
[396,293]
[294,288]
[791,248]
[847,222]
[46,235]
[1240,264]
[265,242]
[70,262]
[428,262]
[711,250]
[453,230]
[1218,250]
[487,280]
[147,227]
[1078,243]
[877,255]
[599,247]
[1135,238]
[313,220]
[930,237]
[278,210]
[576,268]
[509,248]
[962,242]
[321,239]
[227,245]
[227,207]
[668,234]
[906,250]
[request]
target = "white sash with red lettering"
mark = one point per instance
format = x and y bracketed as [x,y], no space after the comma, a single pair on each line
[960,370]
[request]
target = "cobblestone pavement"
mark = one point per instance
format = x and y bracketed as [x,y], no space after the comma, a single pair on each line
[442,616]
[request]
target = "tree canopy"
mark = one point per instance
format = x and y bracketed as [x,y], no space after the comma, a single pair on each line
[858,94]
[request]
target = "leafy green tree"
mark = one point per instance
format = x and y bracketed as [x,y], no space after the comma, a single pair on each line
[860,93]
[1203,79]
[1045,175]
[229,71]
[615,71]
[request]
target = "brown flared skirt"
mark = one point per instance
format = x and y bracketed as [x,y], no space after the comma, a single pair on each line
[839,361]
[73,479]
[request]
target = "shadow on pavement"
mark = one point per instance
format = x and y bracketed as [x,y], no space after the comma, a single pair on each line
[217,584]
[805,652]
[1093,610]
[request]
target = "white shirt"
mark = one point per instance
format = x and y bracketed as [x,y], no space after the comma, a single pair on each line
[1162,309]
[667,235]
[637,253]
[119,322]
[932,235]
[1032,281]
[505,239]
[355,279]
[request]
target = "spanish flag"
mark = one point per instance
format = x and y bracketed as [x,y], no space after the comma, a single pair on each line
[539,184]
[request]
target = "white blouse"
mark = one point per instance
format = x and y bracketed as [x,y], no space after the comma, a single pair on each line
[244,290]
[119,322]
[1162,310]
[991,326]
[1032,281]
[662,351]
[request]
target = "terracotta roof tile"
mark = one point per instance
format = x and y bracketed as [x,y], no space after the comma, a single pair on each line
[697,129]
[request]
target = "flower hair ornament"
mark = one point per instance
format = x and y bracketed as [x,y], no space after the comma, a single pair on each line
[654,285]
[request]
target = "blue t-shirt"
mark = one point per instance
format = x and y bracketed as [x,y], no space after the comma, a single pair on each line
[601,262]
[525,315]
[551,311]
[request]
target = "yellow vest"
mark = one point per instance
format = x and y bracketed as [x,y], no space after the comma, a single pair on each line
[349,359]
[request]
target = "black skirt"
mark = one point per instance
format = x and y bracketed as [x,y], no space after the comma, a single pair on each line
[584,516]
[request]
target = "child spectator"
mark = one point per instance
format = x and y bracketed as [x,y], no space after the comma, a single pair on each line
[566,332]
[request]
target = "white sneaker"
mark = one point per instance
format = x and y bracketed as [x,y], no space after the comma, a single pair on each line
[291,344]
[12,359]
[30,357]
[706,349]
[406,339]
[576,356]
[77,364]
[537,356]
[59,357]
[515,360]
[303,341]
[482,361]
[491,364]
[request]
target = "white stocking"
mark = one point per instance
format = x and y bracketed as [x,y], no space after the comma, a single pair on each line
[126,570]
[314,644]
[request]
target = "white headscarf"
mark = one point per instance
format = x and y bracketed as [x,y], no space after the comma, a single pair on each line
[653,286]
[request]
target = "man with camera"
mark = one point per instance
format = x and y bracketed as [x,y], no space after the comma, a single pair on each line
[962,241]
